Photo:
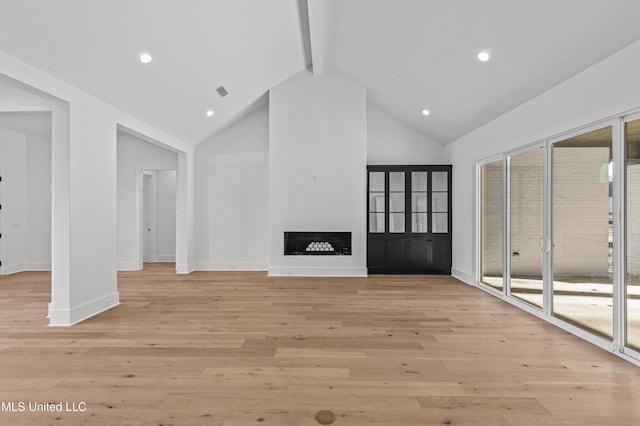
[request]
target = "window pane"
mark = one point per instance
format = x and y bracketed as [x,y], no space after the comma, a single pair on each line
[419,222]
[419,202]
[376,222]
[376,201]
[419,181]
[526,183]
[376,181]
[396,202]
[632,136]
[439,202]
[396,222]
[492,223]
[439,181]
[396,181]
[582,231]
[440,223]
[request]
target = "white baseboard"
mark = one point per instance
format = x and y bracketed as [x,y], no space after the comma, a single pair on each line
[462,276]
[27,266]
[317,272]
[13,269]
[128,266]
[231,266]
[38,266]
[184,268]
[165,258]
[135,266]
[68,317]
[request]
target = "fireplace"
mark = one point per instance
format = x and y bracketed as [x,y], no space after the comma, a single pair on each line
[317,243]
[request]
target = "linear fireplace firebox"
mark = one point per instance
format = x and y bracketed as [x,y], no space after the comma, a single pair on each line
[317,243]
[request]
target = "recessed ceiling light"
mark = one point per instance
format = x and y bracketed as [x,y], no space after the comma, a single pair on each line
[210,113]
[425,112]
[483,56]
[145,58]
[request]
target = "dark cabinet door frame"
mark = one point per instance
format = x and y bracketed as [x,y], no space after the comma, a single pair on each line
[408,252]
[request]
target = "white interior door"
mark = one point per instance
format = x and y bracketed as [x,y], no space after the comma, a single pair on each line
[146,217]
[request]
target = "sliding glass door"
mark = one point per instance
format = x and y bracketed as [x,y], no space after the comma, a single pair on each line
[560,220]
[492,223]
[582,224]
[526,233]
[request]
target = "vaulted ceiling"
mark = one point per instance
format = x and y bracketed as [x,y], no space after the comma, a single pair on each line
[409,54]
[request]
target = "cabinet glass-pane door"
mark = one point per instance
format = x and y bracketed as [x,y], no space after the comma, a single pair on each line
[440,202]
[377,202]
[396,202]
[419,206]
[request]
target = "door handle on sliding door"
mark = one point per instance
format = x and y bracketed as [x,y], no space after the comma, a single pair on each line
[544,244]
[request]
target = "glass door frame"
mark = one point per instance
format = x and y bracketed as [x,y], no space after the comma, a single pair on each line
[544,248]
[505,294]
[621,314]
[617,282]
[478,225]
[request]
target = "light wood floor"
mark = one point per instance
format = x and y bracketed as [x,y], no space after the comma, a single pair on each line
[243,349]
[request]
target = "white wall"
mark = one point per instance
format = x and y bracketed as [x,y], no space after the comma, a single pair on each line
[84,169]
[606,89]
[232,192]
[13,164]
[317,169]
[392,141]
[38,171]
[31,228]
[135,155]
[165,232]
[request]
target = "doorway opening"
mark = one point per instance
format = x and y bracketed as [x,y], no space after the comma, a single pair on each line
[25,191]
[147,201]
[157,216]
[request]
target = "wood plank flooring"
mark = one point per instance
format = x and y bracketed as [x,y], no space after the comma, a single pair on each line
[240,348]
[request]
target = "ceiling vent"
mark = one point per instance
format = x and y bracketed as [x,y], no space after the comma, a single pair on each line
[222,91]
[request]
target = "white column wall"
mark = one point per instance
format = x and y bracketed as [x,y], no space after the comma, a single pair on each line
[317,169]
[185,259]
[93,198]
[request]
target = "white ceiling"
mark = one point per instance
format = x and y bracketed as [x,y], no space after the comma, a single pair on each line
[409,54]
